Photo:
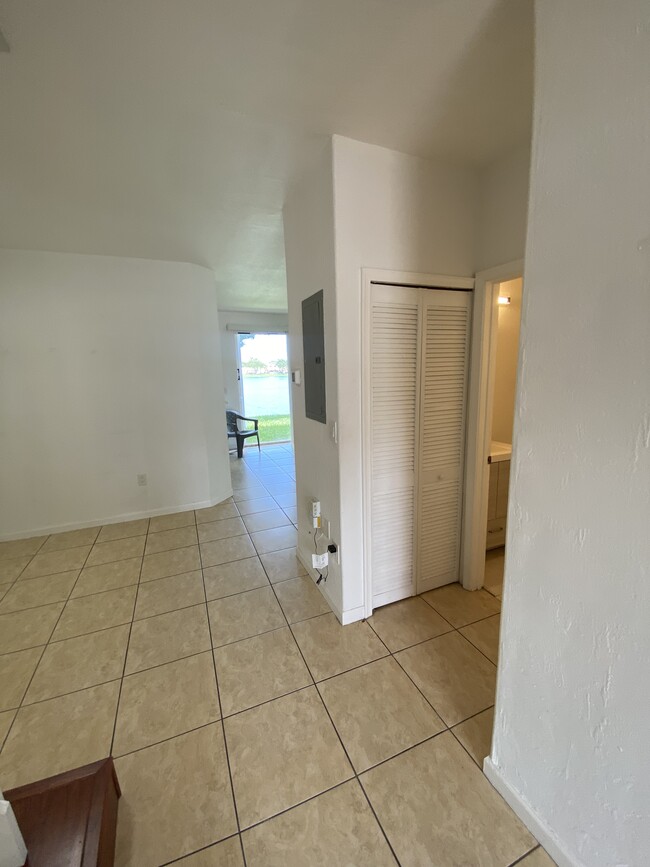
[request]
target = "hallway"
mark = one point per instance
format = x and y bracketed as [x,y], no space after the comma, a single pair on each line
[245,721]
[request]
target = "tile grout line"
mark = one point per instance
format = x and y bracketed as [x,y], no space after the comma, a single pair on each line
[223,725]
[128,642]
[45,646]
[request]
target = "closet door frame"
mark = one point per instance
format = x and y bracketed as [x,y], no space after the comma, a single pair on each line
[406,279]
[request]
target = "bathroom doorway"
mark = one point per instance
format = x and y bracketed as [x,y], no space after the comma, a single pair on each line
[491,411]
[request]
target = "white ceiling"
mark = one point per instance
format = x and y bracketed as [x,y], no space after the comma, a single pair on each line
[171,129]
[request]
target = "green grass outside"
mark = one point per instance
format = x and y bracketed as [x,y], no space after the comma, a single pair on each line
[274,428]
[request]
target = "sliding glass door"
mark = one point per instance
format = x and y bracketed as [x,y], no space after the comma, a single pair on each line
[264,384]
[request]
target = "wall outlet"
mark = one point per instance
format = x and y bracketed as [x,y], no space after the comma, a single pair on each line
[142,479]
[319,561]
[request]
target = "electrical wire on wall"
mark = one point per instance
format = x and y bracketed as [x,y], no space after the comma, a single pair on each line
[321,576]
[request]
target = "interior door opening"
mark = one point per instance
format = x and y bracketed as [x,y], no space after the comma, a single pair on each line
[263,374]
[501,423]
[490,418]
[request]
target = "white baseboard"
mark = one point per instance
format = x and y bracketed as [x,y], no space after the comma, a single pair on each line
[114,519]
[531,820]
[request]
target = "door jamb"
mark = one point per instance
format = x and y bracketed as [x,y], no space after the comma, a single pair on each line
[399,278]
[479,414]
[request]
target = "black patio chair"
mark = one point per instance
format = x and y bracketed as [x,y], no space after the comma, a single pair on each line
[233,430]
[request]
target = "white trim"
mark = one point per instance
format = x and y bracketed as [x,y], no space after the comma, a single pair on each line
[479,414]
[116,519]
[399,278]
[247,329]
[537,827]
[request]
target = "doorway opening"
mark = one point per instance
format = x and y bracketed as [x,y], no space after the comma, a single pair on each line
[263,376]
[493,384]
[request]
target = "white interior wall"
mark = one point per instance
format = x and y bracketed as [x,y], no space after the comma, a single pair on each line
[111,367]
[502,209]
[571,749]
[395,212]
[249,320]
[505,374]
[309,246]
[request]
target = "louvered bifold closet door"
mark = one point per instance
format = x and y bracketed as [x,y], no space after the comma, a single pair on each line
[443,394]
[394,335]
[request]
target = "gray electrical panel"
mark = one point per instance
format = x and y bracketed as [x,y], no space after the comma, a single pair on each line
[313,342]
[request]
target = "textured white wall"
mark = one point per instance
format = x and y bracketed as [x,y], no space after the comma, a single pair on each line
[573,708]
[396,212]
[309,244]
[110,367]
[502,211]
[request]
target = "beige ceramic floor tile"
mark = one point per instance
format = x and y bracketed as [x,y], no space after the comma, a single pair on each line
[300,599]
[216,513]
[11,569]
[538,858]
[170,563]
[260,504]
[56,561]
[485,636]
[285,500]
[222,529]
[226,550]
[168,594]
[436,807]
[166,701]
[171,522]
[475,734]
[224,854]
[167,637]
[176,798]
[457,679]
[460,606]
[266,520]
[283,565]
[407,622]
[120,549]
[282,753]
[57,735]
[231,578]
[168,540]
[336,829]
[78,663]
[292,514]
[378,712]
[267,541]
[112,532]
[21,547]
[38,591]
[259,669]
[16,670]
[92,613]
[330,648]
[235,617]
[249,493]
[6,719]
[71,539]
[28,628]
[109,576]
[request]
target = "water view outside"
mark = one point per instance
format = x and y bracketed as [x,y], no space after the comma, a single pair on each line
[265,383]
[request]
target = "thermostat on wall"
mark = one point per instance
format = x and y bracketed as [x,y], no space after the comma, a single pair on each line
[295,377]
